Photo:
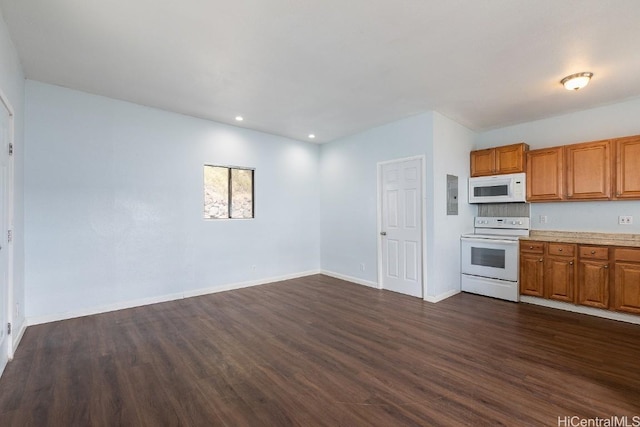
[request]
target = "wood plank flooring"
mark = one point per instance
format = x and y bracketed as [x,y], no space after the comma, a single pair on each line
[318,351]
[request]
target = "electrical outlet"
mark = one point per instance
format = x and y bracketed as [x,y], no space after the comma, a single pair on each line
[543,219]
[362,266]
[625,220]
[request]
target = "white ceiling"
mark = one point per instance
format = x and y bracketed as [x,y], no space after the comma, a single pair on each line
[334,68]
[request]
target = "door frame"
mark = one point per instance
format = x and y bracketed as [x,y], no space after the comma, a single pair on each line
[10,222]
[423,237]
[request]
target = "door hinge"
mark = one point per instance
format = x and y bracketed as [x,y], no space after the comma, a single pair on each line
[8,328]
[9,236]
[11,148]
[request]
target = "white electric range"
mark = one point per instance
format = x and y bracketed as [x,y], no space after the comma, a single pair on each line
[490,257]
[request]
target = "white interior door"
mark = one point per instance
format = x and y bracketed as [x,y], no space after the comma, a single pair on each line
[4,247]
[401,226]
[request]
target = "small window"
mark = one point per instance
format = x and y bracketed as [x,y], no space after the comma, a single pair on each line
[228,192]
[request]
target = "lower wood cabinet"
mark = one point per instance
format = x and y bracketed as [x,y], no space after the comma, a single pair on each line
[559,272]
[532,268]
[627,280]
[605,277]
[593,276]
[593,279]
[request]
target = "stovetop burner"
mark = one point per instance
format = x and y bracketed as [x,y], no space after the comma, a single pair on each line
[500,228]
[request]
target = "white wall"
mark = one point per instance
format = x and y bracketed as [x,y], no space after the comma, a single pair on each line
[114,204]
[589,125]
[451,146]
[349,192]
[12,85]
[349,195]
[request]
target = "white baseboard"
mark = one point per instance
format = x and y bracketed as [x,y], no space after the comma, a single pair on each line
[240,285]
[48,318]
[376,286]
[443,296]
[350,279]
[37,320]
[613,315]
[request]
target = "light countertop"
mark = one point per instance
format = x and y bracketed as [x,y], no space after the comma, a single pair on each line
[585,238]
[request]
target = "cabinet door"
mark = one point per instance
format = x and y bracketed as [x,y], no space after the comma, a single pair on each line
[531,275]
[545,174]
[593,283]
[627,170]
[589,170]
[627,287]
[483,162]
[559,278]
[510,158]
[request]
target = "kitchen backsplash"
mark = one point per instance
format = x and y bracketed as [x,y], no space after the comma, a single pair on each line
[504,209]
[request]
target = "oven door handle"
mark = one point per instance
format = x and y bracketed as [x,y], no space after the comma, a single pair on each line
[472,239]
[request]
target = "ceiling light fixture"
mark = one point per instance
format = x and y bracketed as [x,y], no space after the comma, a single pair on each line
[311,136]
[239,118]
[576,81]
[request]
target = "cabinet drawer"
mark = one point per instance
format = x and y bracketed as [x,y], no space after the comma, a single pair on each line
[594,252]
[564,249]
[531,247]
[627,254]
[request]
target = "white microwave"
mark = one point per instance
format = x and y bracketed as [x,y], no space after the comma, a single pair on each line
[508,188]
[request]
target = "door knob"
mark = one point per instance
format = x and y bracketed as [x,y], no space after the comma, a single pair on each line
[383,233]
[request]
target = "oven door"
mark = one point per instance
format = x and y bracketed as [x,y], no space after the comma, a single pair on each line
[494,258]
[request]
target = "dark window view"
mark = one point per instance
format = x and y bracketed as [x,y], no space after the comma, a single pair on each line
[488,257]
[495,190]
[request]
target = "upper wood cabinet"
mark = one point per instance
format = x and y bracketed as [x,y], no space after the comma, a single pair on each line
[498,160]
[483,162]
[627,152]
[588,170]
[545,174]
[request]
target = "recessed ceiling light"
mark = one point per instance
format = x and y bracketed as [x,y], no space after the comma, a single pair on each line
[311,136]
[576,81]
[239,118]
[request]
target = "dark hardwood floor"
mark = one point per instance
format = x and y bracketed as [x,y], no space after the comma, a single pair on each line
[318,351]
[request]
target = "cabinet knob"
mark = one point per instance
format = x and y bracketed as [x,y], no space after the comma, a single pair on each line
[560,250]
[570,262]
[540,260]
[593,252]
[606,266]
[530,247]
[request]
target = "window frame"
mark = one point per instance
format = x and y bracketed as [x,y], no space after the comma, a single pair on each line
[230,192]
